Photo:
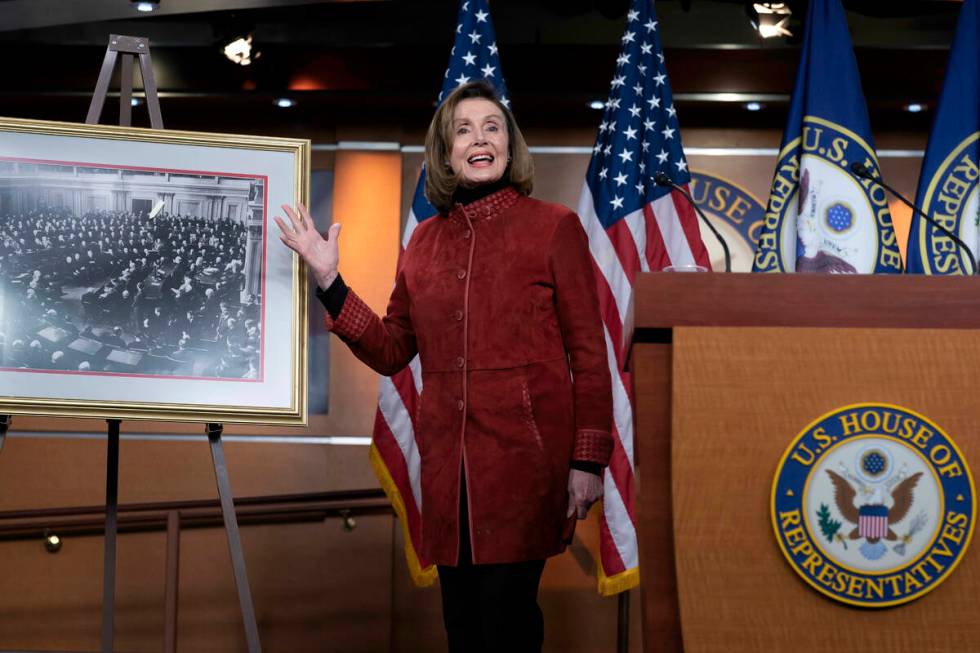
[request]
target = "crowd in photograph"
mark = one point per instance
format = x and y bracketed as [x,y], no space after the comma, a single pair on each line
[116,291]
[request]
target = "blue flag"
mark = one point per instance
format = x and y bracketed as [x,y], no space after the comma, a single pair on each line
[948,181]
[820,217]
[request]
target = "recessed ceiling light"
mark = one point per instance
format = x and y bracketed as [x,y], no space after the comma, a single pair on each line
[915,107]
[285,103]
[146,6]
[598,105]
[752,106]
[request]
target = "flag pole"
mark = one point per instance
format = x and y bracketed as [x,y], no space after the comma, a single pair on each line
[623,623]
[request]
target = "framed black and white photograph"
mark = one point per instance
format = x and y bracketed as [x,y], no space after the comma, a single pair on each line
[141,274]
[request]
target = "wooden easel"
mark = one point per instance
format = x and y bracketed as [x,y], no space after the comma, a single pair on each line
[130,47]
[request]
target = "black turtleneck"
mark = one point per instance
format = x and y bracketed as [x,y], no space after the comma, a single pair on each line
[468,194]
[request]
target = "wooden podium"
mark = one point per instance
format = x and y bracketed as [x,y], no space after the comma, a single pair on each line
[727,370]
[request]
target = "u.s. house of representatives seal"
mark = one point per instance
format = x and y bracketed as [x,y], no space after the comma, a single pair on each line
[820,217]
[872,505]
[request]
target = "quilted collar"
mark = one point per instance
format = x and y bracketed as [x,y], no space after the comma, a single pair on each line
[486,207]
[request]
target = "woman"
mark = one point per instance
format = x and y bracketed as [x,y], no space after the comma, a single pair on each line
[496,295]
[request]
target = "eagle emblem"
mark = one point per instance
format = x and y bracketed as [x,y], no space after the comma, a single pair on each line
[814,252]
[872,505]
[873,518]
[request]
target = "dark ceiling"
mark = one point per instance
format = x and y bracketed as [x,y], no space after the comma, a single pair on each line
[377,64]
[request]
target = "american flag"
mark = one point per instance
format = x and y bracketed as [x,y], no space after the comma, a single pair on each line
[394,454]
[633,226]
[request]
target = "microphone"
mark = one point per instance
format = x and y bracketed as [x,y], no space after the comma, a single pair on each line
[661,179]
[862,171]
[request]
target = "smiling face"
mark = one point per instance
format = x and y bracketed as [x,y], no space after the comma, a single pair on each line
[480,142]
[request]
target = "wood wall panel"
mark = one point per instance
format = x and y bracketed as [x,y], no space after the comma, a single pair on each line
[56,472]
[740,397]
[316,588]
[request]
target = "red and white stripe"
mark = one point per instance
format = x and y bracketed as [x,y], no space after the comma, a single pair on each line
[873,526]
[394,442]
[662,233]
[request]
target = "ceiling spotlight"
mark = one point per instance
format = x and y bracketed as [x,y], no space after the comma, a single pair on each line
[51,542]
[770,18]
[146,6]
[753,106]
[768,31]
[240,51]
[598,105]
[135,102]
[285,103]
[915,107]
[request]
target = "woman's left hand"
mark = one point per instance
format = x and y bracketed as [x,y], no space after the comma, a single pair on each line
[584,489]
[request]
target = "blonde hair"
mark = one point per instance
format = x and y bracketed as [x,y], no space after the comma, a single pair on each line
[440,180]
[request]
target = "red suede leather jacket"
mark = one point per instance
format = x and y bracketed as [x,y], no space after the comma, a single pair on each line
[498,299]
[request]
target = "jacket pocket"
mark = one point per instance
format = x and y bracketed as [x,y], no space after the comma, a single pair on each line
[529,420]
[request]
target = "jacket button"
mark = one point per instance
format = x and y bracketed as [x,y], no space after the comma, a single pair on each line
[459,404]
[461,274]
[458,315]
[459,361]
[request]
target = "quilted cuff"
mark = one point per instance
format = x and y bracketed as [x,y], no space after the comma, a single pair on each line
[353,319]
[593,445]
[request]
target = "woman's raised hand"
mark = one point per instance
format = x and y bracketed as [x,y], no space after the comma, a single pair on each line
[319,252]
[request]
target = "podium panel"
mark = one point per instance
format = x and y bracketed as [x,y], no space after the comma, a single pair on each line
[739,396]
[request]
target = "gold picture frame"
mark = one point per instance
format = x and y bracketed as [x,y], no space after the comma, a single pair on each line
[114,240]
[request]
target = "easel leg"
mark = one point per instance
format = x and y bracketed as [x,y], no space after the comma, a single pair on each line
[4,425]
[109,563]
[234,541]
